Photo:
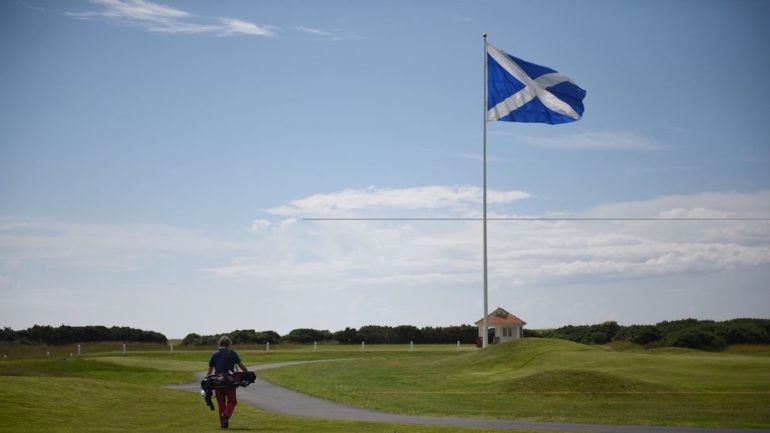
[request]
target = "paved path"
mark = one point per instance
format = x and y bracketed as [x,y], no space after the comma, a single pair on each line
[267,396]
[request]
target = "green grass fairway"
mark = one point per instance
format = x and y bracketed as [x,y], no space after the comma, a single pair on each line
[534,379]
[554,380]
[109,393]
[17,351]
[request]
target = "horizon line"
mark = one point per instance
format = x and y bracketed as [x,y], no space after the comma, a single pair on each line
[526,219]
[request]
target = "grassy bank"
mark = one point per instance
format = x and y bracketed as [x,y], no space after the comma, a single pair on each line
[555,380]
[534,379]
[16,351]
[107,392]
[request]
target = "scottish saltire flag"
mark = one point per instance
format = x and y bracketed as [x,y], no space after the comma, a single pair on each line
[519,91]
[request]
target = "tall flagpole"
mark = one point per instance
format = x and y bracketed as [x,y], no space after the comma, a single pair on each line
[485,335]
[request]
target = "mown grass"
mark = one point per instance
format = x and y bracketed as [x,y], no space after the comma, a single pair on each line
[531,379]
[15,351]
[109,393]
[540,379]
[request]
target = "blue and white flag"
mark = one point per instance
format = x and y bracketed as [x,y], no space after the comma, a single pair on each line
[519,91]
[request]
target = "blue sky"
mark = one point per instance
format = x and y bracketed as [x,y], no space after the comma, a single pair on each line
[157,157]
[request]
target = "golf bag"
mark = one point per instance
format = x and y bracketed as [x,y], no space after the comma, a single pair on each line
[224,381]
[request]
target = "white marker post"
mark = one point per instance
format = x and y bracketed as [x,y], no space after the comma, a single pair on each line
[172,348]
[124,349]
[458,345]
[411,346]
[315,346]
[267,347]
[362,346]
[78,350]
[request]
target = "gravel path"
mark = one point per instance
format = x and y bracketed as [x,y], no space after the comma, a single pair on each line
[267,396]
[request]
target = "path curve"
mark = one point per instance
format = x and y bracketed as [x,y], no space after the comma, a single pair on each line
[273,398]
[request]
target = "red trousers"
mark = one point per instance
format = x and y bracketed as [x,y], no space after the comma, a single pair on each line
[226,401]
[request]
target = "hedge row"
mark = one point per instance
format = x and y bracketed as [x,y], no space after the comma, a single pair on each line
[247,336]
[691,333]
[80,334]
[371,334]
[404,334]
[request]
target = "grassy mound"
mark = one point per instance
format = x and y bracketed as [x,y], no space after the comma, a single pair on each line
[123,394]
[512,355]
[579,381]
[549,379]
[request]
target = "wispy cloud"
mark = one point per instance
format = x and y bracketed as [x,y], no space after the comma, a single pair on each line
[594,141]
[166,19]
[386,253]
[259,225]
[449,201]
[332,35]
[356,272]
[314,31]
[235,26]
[101,245]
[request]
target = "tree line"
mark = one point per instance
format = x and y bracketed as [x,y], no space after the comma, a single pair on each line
[690,333]
[79,334]
[245,336]
[371,334]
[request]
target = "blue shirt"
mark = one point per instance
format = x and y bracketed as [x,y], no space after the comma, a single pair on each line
[224,360]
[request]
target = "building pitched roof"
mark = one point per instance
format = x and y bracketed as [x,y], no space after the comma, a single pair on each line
[501,317]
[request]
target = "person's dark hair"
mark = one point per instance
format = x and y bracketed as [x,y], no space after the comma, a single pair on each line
[224,341]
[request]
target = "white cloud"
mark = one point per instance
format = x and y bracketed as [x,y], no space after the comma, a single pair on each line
[314,31]
[371,202]
[234,26]
[132,10]
[286,224]
[707,204]
[383,253]
[105,245]
[260,225]
[594,141]
[12,225]
[165,19]
[332,35]
[351,273]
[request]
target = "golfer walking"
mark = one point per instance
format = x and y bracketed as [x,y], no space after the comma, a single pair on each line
[224,360]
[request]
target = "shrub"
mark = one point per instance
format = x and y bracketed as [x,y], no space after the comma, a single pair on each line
[533,333]
[307,335]
[405,333]
[695,338]
[745,333]
[348,336]
[639,334]
[74,334]
[247,336]
[374,334]
[587,334]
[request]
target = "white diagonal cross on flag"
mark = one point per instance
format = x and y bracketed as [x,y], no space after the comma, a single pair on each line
[532,89]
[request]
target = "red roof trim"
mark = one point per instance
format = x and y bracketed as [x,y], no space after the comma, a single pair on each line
[501,317]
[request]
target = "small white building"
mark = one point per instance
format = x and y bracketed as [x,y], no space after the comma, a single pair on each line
[507,326]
